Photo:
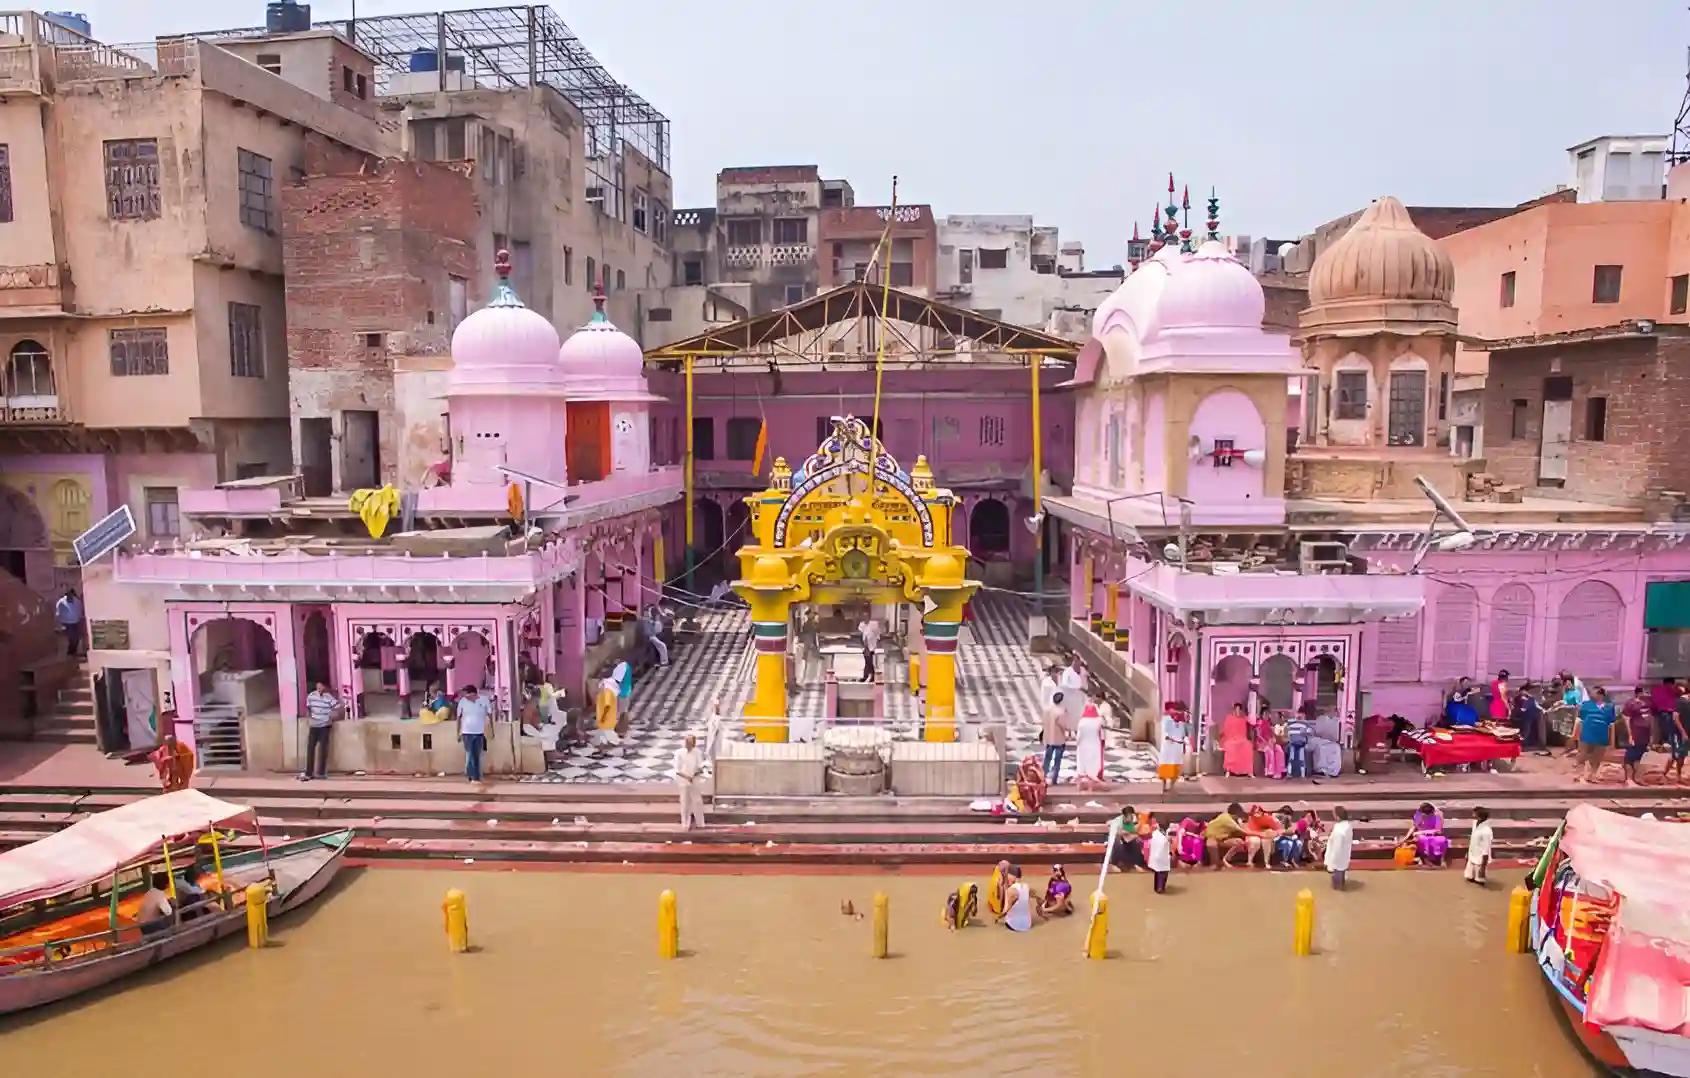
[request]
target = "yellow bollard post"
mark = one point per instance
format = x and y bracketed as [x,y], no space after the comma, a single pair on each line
[1097,936]
[1519,901]
[456,910]
[257,915]
[882,923]
[1303,936]
[668,926]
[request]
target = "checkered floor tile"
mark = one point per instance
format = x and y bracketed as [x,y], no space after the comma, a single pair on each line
[997,681]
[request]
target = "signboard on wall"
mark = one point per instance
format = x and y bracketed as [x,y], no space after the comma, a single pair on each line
[108,635]
[105,536]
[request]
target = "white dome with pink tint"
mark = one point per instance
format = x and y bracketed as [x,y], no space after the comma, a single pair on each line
[504,348]
[600,362]
[1210,289]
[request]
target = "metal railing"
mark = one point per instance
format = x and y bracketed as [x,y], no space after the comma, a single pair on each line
[217,735]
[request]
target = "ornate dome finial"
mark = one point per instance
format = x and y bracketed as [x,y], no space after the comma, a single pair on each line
[599,298]
[1214,221]
[1132,248]
[1155,229]
[503,294]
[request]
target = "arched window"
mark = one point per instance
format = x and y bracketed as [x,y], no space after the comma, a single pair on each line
[1455,618]
[1587,631]
[29,371]
[1510,630]
[988,528]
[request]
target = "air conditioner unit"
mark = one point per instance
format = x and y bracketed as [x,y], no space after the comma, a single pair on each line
[1323,557]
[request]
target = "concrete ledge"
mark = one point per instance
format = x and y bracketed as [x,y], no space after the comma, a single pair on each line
[779,769]
[960,769]
[278,744]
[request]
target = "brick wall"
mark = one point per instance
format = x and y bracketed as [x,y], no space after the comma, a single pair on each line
[1646,383]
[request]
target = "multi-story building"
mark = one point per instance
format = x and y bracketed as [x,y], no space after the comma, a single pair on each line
[850,237]
[142,318]
[1002,265]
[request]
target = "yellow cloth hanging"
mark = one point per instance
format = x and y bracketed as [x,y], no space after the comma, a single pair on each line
[375,506]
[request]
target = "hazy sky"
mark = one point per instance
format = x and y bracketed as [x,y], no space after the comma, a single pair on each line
[1075,112]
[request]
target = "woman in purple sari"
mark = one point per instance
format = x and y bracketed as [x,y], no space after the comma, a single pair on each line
[1431,845]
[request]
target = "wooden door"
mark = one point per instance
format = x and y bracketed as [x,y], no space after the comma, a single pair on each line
[1557,429]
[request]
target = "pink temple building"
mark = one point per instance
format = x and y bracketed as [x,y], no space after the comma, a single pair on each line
[1215,558]
[529,558]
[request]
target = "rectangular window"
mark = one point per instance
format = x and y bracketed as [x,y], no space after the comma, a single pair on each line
[965,265]
[991,430]
[5,184]
[903,275]
[742,437]
[132,179]
[789,230]
[703,438]
[1443,395]
[994,257]
[271,62]
[258,191]
[859,272]
[592,274]
[138,352]
[1507,298]
[1680,284]
[363,88]
[1352,395]
[457,289]
[642,211]
[659,314]
[346,82]
[692,271]
[745,232]
[659,221]
[1605,288]
[164,521]
[246,340]
[1222,455]
[794,294]
[1596,419]
[569,265]
[1519,418]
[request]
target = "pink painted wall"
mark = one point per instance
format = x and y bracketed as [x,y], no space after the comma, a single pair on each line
[1531,611]
[526,433]
[1228,414]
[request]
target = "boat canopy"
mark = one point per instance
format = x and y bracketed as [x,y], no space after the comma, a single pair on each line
[1641,980]
[92,849]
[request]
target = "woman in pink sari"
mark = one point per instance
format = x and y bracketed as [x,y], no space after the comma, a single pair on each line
[1238,752]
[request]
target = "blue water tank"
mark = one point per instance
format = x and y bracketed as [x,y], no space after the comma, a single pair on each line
[71,20]
[429,60]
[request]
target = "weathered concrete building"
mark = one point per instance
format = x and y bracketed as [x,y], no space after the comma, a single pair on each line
[141,303]
[1001,265]
[849,236]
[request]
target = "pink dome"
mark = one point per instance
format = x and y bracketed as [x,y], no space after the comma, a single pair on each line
[1132,306]
[1211,290]
[600,362]
[504,348]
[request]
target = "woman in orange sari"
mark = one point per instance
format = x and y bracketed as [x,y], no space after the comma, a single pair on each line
[1238,750]
[174,763]
[1030,784]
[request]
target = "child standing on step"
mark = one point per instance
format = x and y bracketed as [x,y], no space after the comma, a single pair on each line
[1161,857]
[1338,846]
[1479,847]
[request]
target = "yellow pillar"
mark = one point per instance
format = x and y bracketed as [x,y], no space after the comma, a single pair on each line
[1111,602]
[668,926]
[456,909]
[1097,936]
[1519,930]
[882,923]
[1302,936]
[939,630]
[257,915]
[659,565]
[770,617]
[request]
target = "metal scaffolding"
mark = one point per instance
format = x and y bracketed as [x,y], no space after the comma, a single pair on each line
[521,45]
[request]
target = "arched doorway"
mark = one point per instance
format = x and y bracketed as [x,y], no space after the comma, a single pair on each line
[424,670]
[471,661]
[314,648]
[1324,682]
[1278,682]
[708,536]
[1229,685]
[376,680]
[988,530]
[233,662]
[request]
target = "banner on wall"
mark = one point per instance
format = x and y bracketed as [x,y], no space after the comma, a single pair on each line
[140,707]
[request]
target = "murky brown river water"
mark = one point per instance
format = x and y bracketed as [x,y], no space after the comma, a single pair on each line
[1410,979]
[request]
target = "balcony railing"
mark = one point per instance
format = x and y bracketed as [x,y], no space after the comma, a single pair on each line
[36,408]
[18,73]
[744,257]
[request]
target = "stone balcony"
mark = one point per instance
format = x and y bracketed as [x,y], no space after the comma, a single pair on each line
[44,288]
[35,409]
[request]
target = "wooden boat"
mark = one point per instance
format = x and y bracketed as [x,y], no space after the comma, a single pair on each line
[1610,926]
[54,892]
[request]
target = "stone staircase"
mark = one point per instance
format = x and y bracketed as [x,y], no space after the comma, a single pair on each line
[411,820]
[71,722]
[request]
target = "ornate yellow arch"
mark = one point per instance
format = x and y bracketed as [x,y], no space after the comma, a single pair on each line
[829,533]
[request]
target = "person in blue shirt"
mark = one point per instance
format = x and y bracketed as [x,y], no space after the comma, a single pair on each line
[1458,706]
[1593,734]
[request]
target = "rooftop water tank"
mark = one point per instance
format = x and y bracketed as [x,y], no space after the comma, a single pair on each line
[71,20]
[287,17]
[424,60]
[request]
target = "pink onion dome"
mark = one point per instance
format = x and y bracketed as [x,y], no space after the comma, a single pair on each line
[1210,289]
[600,362]
[504,347]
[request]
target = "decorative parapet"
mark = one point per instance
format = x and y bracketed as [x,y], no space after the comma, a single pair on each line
[46,284]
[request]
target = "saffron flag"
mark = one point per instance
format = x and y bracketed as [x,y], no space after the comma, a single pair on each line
[762,447]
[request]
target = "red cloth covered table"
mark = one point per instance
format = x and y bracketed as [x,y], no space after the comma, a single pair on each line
[1462,747]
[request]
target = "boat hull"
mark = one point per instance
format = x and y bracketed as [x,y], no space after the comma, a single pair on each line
[34,987]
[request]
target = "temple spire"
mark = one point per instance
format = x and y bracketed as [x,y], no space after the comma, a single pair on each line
[1214,221]
[598,299]
[503,294]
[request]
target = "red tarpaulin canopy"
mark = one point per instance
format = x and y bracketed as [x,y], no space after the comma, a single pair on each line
[1643,977]
[94,848]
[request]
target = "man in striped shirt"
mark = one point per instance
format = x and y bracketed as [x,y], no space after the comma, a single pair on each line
[321,707]
[1297,731]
